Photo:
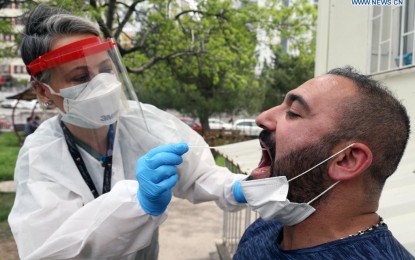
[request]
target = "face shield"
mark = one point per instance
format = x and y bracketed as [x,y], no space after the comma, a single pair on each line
[91,78]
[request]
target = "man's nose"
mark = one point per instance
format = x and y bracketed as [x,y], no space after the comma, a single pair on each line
[268,119]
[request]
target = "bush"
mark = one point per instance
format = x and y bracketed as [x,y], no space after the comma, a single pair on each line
[222,137]
[7,199]
[9,148]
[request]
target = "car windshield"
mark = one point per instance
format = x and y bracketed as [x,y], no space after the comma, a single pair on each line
[187,122]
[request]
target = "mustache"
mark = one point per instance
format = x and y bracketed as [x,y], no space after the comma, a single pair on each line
[268,140]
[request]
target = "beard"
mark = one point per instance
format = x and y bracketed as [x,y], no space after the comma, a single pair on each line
[313,183]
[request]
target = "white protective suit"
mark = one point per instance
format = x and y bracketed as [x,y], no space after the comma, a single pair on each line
[55,215]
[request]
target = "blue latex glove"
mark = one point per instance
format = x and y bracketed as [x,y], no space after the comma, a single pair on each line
[157,174]
[238,193]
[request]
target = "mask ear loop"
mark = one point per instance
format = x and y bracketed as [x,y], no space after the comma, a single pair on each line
[331,186]
[46,86]
[312,168]
[49,102]
[321,194]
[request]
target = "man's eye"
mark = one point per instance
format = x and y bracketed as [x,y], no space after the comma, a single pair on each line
[292,115]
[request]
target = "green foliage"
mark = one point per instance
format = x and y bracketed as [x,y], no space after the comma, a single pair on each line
[6,28]
[208,80]
[219,137]
[9,149]
[219,77]
[7,200]
[220,160]
[287,72]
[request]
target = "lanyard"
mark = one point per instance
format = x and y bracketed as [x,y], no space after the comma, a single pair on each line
[106,160]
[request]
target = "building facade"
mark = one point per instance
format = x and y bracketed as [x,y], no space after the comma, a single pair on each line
[377,40]
[12,69]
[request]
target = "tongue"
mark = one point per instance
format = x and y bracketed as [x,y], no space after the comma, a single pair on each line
[260,173]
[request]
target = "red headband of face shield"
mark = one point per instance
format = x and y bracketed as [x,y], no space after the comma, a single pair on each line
[70,52]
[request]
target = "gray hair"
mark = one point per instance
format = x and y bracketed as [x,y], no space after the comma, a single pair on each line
[44,25]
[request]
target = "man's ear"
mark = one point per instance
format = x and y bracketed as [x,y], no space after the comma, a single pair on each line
[350,163]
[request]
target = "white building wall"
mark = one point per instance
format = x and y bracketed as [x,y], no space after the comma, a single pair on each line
[343,38]
[397,204]
[402,84]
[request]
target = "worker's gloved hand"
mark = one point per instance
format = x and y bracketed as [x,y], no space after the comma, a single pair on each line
[157,174]
[238,193]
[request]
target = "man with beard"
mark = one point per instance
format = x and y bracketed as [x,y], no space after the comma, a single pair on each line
[330,146]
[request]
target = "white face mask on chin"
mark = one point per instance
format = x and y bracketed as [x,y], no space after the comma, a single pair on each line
[92,104]
[268,197]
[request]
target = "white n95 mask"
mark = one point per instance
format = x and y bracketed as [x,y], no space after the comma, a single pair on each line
[93,104]
[268,197]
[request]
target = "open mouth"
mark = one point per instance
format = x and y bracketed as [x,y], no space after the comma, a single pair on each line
[264,166]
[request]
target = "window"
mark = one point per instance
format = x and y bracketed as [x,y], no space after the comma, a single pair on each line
[6,37]
[18,69]
[392,37]
[4,69]
[19,21]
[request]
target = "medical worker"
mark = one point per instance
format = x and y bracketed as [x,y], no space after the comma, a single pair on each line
[81,190]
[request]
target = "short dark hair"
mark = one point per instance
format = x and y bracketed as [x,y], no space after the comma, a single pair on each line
[376,118]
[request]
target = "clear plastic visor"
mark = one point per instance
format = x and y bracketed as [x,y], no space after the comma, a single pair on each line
[91,78]
[79,62]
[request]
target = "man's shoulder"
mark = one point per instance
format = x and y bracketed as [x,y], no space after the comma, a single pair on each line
[261,229]
[378,244]
[386,245]
[259,240]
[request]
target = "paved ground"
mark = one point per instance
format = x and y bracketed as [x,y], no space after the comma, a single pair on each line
[6,186]
[189,233]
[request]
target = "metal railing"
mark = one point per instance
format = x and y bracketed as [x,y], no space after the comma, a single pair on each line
[234,224]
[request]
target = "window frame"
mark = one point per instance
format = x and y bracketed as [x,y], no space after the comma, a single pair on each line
[396,50]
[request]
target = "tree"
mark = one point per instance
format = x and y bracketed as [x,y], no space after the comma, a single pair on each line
[295,65]
[286,73]
[199,60]
[219,75]
[221,67]
[6,28]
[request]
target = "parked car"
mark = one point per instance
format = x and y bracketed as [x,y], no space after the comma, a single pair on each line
[21,104]
[192,123]
[247,127]
[217,124]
